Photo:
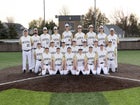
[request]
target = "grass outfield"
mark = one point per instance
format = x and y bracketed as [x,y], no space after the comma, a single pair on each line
[24,97]
[9,59]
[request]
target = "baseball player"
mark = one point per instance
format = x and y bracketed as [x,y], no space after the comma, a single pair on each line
[67,35]
[95,47]
[56,37]
[102,60]
[38,57]
[101,36]
[69,61]
[111,55]
[47,62]
[52,48]
[80,63]
[90,36]
[63,48]
[45,38]
[74,47]
[35,39]
[26,43]
[91,60]
[79,36]
[115,41]
[85,47]
[58,62]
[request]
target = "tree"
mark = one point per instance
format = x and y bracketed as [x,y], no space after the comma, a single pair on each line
[64,11]
[12,31]
[3,31]
[89,18]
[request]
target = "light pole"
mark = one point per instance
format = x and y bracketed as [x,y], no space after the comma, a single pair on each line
[95,15]
[44,10]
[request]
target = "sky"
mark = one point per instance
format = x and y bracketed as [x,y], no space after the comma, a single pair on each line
[23,11]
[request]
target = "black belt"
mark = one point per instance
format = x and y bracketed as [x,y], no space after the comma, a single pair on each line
[58,64]
[70,65]
[39,59]
[47,64]
[111,59]
[34,48]
[90,64]
[102,63]
[26,50]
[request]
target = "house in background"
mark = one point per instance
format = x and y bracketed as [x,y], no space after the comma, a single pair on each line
[117,29]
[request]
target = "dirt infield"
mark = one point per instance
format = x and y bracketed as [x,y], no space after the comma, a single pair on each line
[71,83]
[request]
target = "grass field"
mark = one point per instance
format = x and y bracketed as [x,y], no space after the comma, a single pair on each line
[24,97]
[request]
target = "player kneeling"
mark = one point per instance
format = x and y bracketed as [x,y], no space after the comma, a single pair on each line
[80,63]
[69,60]
[38,57]
[58,62]
[102,60]
[46,62]
[91,60]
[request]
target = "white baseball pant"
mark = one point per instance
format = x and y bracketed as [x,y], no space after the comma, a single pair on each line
[33,59]
[26,55]
[102,67]
[46,68]
[91,67]
[111,64]
[37,66]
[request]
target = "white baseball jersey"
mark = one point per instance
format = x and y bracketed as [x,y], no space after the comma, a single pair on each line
[56,39]
[79,38]
[80,59]
[35,40]
[102,55]
[45,40]
[26,42]
[91,57]
[58,58]
[52,50]
[74,49]
[85,49]
[38,53]
[69,58]
[47,57]
[114,39]
[101,38]
[67,36]
[63,50]
[110,52]
[90,36]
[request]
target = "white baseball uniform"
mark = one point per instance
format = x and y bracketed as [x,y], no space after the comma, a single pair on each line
[63,50]
[95,49]
[35,39]
[80,58]
[26,51]
[74,49]
[45,40]
[101,38]
[38,56]
[67,36]
[58,63]
[47,60]
[90,36]
[79,38]
[52,50]
[102,60]
[85,49]
[69,58]
[111,57]
[91,58]
[56,38]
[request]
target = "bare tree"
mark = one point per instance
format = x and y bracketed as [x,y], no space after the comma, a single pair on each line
[64,11]
[10,19]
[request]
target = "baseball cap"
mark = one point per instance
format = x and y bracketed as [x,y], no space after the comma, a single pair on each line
[80,48]
[111,29]
[68,47]
[58,47]
[66,25]
[90,46]
[95,40]
[79,26]
[101,44]
[52,41]
[109,41]
[47,47]
[25,30]
[55,28]
[44,28]
[74,40]
[63,41]
[84,40]
[101,27]
[35,29]
[90,26]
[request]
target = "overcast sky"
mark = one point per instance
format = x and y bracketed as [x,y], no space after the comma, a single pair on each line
[23,11]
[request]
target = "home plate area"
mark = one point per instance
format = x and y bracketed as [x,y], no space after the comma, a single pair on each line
[13,78]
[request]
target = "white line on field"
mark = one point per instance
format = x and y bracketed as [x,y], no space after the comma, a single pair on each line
[123,78]
[21,80]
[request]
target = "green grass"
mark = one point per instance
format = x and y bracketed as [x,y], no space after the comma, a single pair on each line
[9,59]
[129,57]
[25,97]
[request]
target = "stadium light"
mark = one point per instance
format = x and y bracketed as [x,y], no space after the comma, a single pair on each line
[95,15]
[44,10]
